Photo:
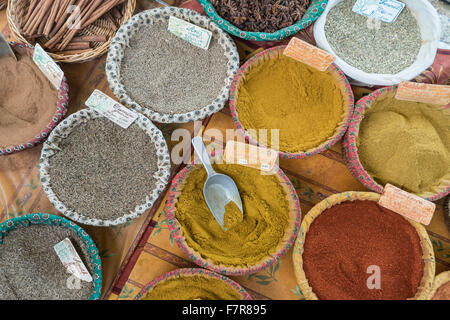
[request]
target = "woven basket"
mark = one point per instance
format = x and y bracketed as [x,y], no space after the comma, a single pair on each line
[3,4]
[439,281]
[16,11]
[426,284]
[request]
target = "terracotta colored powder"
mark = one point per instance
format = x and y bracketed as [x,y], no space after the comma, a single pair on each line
[443,293]
[27,100]
[346,239]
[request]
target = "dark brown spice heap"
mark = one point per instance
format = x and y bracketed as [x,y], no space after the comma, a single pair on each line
[262,15]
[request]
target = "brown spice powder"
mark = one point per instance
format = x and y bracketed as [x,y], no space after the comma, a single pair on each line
[27,100]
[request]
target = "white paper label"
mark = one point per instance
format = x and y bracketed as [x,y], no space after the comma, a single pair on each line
[190,32]
[384,10]
[111,109]
[71,260]
[48,66]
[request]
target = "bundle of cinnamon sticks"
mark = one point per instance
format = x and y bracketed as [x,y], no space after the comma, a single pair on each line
[3,4]
[60,22]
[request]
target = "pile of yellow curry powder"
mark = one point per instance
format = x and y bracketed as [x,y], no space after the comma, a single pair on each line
[406,144]
[194,287]
[305,104]
[250,238]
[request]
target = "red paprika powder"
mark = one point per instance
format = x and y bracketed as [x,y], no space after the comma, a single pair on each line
[348,238]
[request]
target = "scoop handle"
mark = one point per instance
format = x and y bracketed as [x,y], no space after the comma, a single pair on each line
[200,148]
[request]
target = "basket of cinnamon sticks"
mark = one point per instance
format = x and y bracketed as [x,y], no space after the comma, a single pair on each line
[3,4]
[69,30]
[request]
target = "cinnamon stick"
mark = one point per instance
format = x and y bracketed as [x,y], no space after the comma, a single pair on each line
[102,10]
[32,16]
[51,18]
[62,19]
[43,22]
[93,38]
[78,46]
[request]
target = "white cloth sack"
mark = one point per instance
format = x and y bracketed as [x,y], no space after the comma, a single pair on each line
[430,29]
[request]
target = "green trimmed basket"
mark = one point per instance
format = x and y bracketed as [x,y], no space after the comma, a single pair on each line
[315,9]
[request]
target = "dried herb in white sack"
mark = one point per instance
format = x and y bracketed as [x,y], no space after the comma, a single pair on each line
[168,75]
[371,45]
[30,269]
[102,170]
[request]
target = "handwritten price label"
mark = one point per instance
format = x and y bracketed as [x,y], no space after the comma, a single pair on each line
[71,260]
[249,155]
[308,54]
[423,92]
[407,204]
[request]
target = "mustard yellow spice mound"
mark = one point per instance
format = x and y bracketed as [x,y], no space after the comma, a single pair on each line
[306,105]
[194,287]
[249,239]
[406,144]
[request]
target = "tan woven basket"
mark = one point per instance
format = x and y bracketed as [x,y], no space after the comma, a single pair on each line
[426,284]
[17,9]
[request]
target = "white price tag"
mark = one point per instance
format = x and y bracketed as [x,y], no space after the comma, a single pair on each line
[384,10]
[48,66]
[190,32]
[71,260]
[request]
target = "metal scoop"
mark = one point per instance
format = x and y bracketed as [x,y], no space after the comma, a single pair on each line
[5,49]
[219,189]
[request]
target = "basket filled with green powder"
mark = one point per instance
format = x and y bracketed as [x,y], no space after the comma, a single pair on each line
[165,77]
[254,240]
[375,52]
[265,20]
[404,143]
[31,268]
[306,110]
[192,284]
[97,173]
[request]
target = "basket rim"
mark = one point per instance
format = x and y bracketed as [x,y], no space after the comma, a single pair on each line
[67,126]
[426,283]
[61,110]
[177,232]
[115,56]
[265,36]
[441,279]
[324,146]
[50,219]
[350,150]
[72,58]
[192,272]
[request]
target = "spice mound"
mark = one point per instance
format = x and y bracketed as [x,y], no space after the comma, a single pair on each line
[232,216]
[168,75]
[373,46]
[194,287]
[31,269]
[443,293]
[28,100]
[261,16]
[347,242]
[306,105]
[406,144]
[247,242]
[103,171]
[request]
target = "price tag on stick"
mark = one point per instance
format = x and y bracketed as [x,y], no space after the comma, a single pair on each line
[249,155]
[48,66]
[423,92]
[190,32]
[308,54]
[407,204]
[111,109]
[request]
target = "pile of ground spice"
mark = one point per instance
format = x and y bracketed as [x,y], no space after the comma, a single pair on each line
[443,293]
[373,46]
[102,170]
[263,15]
[406,144]
[193,287]
[28,100]
[166,74]
[248,242]
[306,105]
[233,215]
[346,239]
[31,269]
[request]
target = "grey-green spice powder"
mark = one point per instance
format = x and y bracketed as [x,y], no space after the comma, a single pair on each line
[372,45]
[30,269]
[168,75]
[104,171]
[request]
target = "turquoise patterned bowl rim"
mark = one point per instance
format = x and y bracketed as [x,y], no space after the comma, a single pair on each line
[338,75]
[192,272]
[315,9]
[176,231]
[52,220]
[350,149]
[60,112]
